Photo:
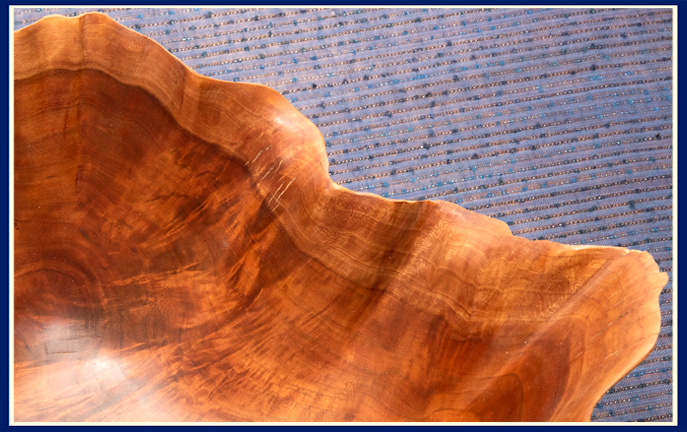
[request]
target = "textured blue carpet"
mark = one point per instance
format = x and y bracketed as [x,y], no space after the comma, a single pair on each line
[556,121]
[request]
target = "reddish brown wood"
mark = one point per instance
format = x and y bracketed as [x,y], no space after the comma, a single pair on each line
[181,254]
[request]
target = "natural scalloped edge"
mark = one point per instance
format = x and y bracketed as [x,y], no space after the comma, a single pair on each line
[201,105]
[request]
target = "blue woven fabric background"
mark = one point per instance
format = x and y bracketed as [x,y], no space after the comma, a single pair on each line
[556,121]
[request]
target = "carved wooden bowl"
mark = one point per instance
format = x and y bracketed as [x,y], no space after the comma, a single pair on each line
[181,254]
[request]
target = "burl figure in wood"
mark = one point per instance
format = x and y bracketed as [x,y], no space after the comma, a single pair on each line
[181,254]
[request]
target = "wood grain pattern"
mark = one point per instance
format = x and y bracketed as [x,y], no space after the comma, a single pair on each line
[181,254]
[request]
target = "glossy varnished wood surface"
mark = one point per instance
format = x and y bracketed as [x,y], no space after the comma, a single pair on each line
[181,254]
